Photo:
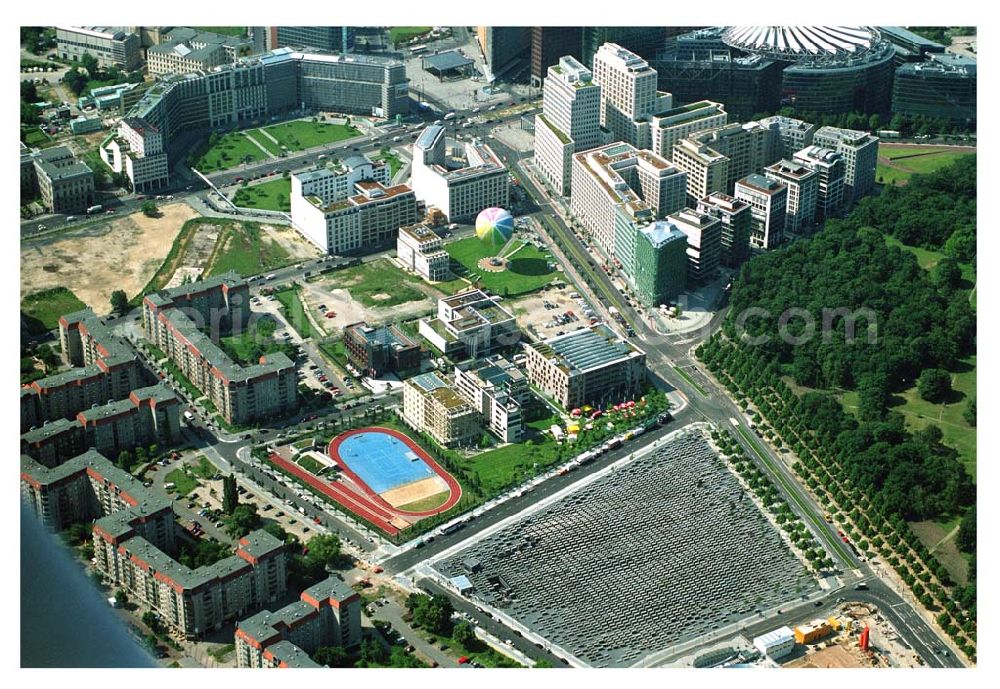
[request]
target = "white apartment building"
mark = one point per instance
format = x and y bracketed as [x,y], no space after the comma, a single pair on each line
[335,182]
[829,167]
[704,243]
[459,190]
[138,151]
[569,121]
[496,389]
[619,178]
[419,249]
[628,94]
[767,199]
[860,153]
[471,320]
[362,222]
[803,191]
[667,128]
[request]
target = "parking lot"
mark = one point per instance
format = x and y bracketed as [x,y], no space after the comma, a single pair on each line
[552,312]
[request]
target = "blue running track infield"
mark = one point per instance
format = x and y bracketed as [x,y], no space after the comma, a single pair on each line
[382,461]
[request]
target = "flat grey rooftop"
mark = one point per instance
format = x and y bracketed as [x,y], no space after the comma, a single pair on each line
[658,552]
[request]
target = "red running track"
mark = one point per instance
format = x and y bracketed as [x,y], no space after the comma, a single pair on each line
[453,485]
[355,503]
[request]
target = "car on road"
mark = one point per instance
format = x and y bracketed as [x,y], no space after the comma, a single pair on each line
[42,228]
[463,660]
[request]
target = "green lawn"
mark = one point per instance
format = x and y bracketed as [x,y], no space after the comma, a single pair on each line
[309,464]
[243,249]
[254,342]
[910,160]
[336,351]
[377,284]
[42,310]
[35,137]
[527,270]
[184,483]
[401,34]
[919,413]
[274,195]
[928,258]
[204,468]
[231,150]
[302,134]
[237,31]
[293,311]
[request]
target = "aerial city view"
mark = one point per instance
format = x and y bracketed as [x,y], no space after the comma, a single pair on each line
[498,346]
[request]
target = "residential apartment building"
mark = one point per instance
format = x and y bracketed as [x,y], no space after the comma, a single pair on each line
[628,94]
[496,389]
[803,191]
[829,167]
[326,614]
[138,151]
[616,187]
[111,46]
[337,181]
[569,121]
[148,415]
[369,219]
[463,189]
[65,184]
[375,351]
[767,199]
[187,50]
[470,321]
[106,369]
[173,320]
[704,243]
[421,250]
[432,406]
[660,264]
[588,366]
[669,127]
[134,539]
[735,218]
[860,153]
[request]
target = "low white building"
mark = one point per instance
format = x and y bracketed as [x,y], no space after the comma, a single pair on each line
[471,320]
[419,249]
[776,643]
[496,389]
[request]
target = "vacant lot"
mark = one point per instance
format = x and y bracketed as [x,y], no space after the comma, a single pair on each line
[231,150]
[247,249]
[119,253]
[898,162]
[378,284]
[294,312]
[274,195]
[42,310]
[527,269]
[302,134]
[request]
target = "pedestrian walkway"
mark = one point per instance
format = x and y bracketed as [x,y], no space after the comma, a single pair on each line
[258,144]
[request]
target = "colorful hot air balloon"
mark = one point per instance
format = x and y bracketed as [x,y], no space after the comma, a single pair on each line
[495,226]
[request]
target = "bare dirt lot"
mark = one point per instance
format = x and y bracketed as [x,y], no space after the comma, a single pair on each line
[417,490]
[834,656]
[119,253]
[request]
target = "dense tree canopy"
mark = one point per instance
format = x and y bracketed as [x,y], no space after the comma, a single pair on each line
[934,385]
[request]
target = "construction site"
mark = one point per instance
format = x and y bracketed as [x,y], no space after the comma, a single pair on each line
[659,551]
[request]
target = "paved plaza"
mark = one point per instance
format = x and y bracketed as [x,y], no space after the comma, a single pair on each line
[660,551]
